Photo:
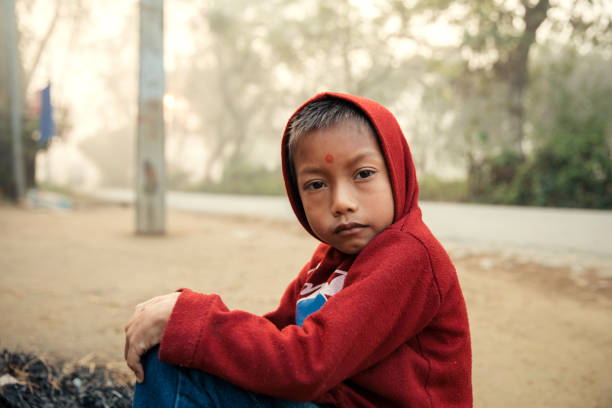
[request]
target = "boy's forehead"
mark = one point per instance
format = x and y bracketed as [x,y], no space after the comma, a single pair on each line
[356,140]
[353,126]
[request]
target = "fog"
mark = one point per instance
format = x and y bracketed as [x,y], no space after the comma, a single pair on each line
[468,83]
[91,61]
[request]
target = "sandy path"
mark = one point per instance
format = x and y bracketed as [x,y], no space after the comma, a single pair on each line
[69,281]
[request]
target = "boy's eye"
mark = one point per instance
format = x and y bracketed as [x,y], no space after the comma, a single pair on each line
[363,174]
[314,185]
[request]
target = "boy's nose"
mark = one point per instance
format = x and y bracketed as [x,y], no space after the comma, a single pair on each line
[343,201]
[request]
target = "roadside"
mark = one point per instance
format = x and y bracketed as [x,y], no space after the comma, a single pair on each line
[551,236]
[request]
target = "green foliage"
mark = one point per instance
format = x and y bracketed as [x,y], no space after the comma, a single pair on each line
[55,188]
[573,165]
[491,181]
[432,188]
[29,149]
[572,169]
[247,179]
[571,162]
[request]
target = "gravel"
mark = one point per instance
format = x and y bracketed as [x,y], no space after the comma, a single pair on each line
[28,381]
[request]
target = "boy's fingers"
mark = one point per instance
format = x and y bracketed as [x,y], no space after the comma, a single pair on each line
[145,329]
[128,335]
[139,373]
[133,361]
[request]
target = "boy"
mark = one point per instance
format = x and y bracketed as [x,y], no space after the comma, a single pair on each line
[375,319]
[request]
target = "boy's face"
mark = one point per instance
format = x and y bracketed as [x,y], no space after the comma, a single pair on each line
[344,185]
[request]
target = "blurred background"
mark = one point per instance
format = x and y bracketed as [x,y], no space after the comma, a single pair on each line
[501,101]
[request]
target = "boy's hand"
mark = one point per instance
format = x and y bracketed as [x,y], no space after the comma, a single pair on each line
[146,328]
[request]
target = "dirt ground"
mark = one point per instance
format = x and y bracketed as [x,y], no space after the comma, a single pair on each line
[541,336]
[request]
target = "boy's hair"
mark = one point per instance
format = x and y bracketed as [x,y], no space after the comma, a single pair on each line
[320,114]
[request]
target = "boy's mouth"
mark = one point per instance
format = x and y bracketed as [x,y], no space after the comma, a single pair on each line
[348,228]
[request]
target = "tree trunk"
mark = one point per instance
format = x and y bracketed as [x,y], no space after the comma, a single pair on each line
[515,72]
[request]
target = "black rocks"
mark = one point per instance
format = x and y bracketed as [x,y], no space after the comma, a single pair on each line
[28,381]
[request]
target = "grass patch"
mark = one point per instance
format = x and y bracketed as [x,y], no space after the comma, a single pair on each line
[433,188]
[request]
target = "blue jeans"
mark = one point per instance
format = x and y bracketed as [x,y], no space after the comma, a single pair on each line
[167,385]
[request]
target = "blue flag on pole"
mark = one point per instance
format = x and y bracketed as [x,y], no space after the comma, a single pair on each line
[46,126]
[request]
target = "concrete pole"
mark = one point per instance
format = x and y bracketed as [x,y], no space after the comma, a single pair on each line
[150,160]
[15,82]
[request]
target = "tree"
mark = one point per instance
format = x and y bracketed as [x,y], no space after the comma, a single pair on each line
[8,186]
[512,44]
[35,47]
[489,84]
[225,80]
[254,66]
[571,164]
[498,38]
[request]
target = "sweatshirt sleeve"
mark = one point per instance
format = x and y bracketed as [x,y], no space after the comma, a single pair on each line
[390,295]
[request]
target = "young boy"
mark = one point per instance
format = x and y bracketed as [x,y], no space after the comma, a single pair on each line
[375,319]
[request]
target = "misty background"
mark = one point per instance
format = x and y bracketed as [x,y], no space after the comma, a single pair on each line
[501,101]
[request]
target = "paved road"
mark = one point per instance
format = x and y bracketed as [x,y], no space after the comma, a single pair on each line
[565,233]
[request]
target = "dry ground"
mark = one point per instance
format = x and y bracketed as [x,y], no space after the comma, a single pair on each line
[69,280]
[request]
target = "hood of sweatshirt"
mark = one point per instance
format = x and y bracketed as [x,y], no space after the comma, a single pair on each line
[395,150]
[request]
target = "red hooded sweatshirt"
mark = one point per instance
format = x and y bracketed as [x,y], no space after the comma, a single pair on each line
[387,327]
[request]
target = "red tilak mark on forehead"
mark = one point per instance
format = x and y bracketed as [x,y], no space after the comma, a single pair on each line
[329,158]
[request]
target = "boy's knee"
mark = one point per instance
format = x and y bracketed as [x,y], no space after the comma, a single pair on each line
[159,387]
[155,370]
[150,359]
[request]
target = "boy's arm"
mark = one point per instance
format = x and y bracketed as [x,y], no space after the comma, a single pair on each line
[392,299]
